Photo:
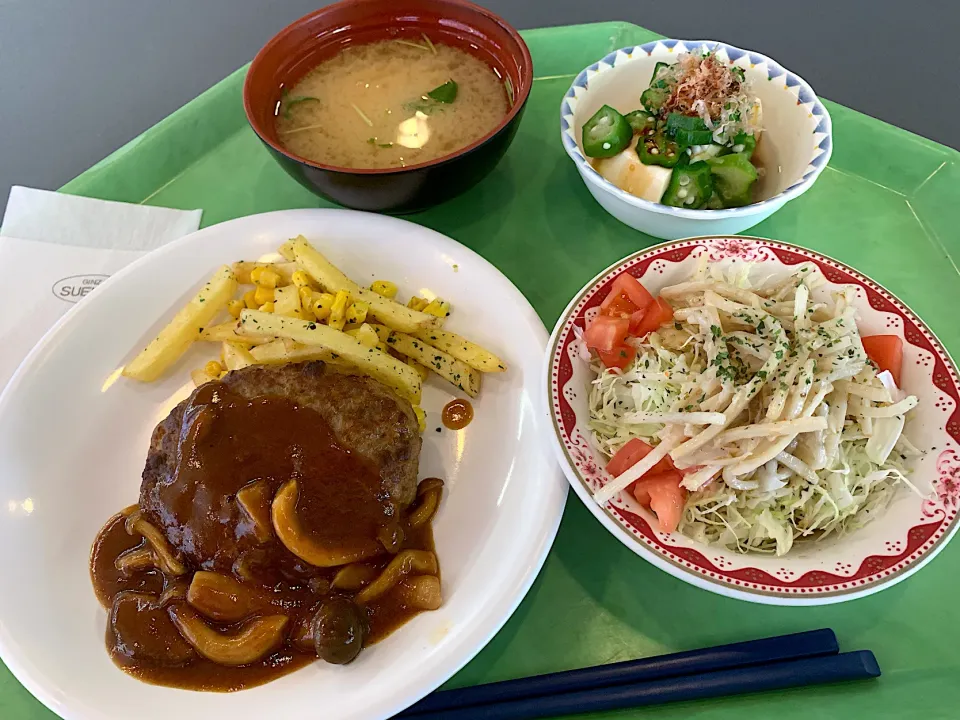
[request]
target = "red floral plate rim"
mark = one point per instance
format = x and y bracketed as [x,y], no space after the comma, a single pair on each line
[875,571]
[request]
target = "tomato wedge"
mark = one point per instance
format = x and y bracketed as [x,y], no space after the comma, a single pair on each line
[618,305]
[633,289]
[606,333]
[620,357]
[657,314]
[886,352]
[626,297]
[632,453]
[664,496]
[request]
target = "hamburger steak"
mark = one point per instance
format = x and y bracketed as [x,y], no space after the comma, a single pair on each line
[289,414]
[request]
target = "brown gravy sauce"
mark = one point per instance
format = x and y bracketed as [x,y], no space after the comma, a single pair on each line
[229,443]
[457,414]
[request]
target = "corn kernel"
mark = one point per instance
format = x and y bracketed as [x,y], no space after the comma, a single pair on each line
[338,312]
[438,308]
[255,275]
[301,279]
[421,417]
[267,307]
[213,368]
[263,295]
[357,312]
[250,299]
[268,278]
[235,307]
[385,288]
[366,335]
[322,304]
[357,334]
[306,296]
[417,303]
[223,375]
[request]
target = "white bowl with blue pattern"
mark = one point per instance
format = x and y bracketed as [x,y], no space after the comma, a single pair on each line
[794,148]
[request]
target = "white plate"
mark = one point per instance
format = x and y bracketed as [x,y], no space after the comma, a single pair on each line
[71,456]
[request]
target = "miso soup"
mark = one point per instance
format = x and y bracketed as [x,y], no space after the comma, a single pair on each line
[391,104]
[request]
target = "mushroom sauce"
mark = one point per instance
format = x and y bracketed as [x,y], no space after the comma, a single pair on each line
[277,546]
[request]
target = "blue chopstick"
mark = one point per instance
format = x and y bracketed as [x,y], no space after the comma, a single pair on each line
[812,643]
[858,665]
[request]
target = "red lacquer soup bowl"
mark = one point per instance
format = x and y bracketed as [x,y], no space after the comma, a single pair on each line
[302,45]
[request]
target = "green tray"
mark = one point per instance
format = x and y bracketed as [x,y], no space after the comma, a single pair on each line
[887,205]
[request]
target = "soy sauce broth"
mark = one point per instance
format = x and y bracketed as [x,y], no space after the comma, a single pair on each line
[368,107]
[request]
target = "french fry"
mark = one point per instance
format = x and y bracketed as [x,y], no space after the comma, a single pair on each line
[243,268]
[421,418]
[283,350]
[462,349]
[172,342]
[201,377]
[372,362]
[286,250]
[450,369]
[287,302]
[227,332]
[367,335]
[393,314]
[236,356]
[328,276]
[422,370]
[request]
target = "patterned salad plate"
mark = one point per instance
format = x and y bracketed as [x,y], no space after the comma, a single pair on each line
[912,529]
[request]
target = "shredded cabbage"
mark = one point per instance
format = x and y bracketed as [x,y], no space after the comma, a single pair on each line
[759,354]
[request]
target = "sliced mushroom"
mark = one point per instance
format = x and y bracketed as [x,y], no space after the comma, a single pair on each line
[404,563]
[250,562]
[135,560]
[354,576]
[301,632]
[254,500]
[286,524]
[140,629]
[255,639]
[131,514]
[428,492]
[420,593]
[222,598]
[391,537]
[174,591]
[166,560]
